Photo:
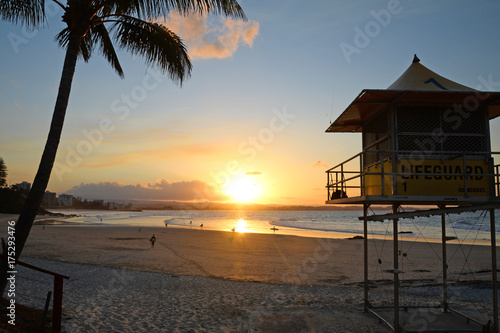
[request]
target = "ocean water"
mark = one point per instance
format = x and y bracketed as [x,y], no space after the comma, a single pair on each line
[466,227]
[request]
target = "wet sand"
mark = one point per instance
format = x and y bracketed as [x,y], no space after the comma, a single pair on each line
[253,280]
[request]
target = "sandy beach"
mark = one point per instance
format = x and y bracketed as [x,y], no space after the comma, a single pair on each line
[196,280]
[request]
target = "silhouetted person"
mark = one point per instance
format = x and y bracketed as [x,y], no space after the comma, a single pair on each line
[152,240]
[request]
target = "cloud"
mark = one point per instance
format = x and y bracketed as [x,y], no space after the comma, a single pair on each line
[212,37]
[253,173]
[320,164]
[194,190]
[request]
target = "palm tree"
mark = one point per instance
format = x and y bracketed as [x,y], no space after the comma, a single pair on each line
[96,24]
[3,173]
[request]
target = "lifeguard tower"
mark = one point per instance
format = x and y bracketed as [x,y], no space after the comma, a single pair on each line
[425,141]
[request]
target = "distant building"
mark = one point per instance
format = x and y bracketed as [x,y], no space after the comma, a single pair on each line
[66,200]
[50,199]
[117,205]
[113,205]
[24,186]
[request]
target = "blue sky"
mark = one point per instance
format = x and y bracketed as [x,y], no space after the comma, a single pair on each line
[259,113]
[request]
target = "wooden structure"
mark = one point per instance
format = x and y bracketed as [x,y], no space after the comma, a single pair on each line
[426,141]
[57,292]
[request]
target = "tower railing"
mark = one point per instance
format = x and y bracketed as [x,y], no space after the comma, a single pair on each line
[386,175]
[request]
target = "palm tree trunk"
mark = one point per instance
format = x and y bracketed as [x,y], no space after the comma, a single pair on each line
[34,199]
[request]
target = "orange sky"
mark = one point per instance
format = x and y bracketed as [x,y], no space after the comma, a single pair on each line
[255,109]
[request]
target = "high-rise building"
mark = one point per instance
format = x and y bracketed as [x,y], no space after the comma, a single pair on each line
[66,200]
[50,199]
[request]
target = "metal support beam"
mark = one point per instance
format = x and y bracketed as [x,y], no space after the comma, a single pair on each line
[365,244]
[396,269]
[445,261]
[494,289]
[442,210]
[430,212]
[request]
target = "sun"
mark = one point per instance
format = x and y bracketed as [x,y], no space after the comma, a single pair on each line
[243,189]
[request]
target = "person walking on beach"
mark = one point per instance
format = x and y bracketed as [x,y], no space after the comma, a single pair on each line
[152,240]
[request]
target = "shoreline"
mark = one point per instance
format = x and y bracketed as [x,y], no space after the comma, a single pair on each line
[269,258]
[208,280]
[57,219]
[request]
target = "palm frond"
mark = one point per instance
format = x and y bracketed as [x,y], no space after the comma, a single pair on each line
[62,38]
[30,13]
[86,43]
[225,7]
[158,45]
[86,47]
[147,9]
[101,36]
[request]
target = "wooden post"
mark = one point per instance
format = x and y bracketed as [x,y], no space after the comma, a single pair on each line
[46,309]
[57,309]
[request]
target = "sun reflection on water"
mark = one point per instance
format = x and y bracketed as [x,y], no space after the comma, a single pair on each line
[241,226]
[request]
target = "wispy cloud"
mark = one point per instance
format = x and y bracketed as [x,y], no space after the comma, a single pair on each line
[161,190]
[208,37]
[320,164]
[253,173]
